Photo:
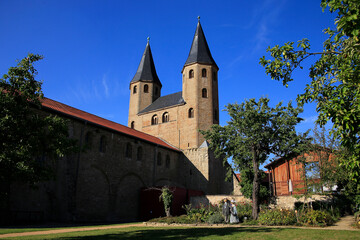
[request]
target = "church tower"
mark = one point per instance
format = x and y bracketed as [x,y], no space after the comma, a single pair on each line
[145,87]
[200,90]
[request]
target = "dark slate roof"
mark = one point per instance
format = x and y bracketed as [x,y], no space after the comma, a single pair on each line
[146,70]
[199,52]
[164,102]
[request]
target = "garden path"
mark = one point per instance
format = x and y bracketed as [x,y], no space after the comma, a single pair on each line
[343,224]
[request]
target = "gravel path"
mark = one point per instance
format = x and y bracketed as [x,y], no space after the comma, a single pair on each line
[344,224]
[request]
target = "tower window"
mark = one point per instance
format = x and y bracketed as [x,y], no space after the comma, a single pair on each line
[191,73]
[191,113]
[204,93]
[128,151]
[102,148]
[132,125]
[135,89]
[167,161]
[146,88]
[139,154]
[159,160]
[165,117]
[88,140]
[203,72]
[154,120]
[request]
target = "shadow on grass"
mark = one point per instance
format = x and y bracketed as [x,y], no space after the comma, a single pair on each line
[177,233]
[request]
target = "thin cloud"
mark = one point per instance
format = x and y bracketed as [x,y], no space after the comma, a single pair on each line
[106,88]
[266,16]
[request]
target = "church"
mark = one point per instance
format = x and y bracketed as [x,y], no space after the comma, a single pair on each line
[161,146]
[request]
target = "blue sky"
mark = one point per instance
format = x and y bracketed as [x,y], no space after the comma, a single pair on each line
[92,48]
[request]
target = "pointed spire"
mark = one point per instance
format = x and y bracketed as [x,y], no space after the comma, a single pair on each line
[146,70]
[199,52]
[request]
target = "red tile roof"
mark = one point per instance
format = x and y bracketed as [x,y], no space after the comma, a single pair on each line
[76,113]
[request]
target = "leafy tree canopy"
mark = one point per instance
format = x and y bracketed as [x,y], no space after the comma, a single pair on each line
[334,75]
[254,132]
[29,138]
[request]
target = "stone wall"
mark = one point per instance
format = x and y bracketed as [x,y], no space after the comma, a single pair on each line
[215,199]
[288,202]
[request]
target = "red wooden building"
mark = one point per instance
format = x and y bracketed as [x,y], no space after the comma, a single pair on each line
[287,174]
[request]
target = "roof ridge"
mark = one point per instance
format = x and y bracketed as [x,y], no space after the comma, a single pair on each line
[94,119]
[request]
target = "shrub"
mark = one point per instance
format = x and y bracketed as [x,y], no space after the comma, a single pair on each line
[277,217]
[216,218]
[316,218]
[201,213]
[183,219]
[357,219]
[244,210]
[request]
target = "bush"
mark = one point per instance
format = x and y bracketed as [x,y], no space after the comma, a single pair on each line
[315,218]
[201,213]
[244,210]
[183,219]
[277,217]
[357,219]
[216,218]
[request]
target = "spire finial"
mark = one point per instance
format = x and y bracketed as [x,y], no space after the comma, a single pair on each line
[198,18]
[148,39]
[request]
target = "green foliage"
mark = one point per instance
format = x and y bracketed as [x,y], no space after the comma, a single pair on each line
[244,210]
[254,132]
[201,213]
[246,184]
[216,218]
[334,77]
[30,140]
[357,219]
[315,218]
[167,197]
[277,217]
[183,219]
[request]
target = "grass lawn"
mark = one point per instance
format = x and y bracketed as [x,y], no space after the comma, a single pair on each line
[201,233]
[42,228]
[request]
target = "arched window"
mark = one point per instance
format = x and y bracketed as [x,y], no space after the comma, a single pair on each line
[135,89]
[191,113]
[204,93]
[165,117]
[102,147]
[132,125]
[154,120]
[203,72]
[89,140]
[191,73]
[167,161]
[146,88]
[159,160]
[128,151]
[139,154]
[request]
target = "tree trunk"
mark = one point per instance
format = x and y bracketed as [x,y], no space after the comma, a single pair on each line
[256,187]
[167,211]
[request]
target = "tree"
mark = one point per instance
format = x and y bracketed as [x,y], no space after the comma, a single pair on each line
[246,183]
[166,196]
[29,139]
[255,131]
[334,75]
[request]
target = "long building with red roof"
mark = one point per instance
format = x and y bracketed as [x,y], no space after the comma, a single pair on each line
[108,179]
